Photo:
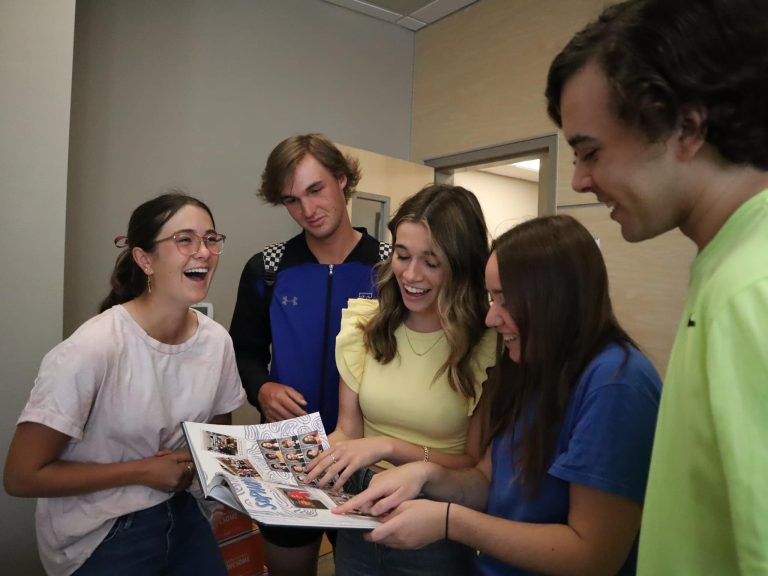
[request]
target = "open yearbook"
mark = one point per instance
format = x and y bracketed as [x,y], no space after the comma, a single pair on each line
[259,469]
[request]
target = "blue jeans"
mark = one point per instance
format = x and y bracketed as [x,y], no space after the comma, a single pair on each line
[357,557]
[172,538]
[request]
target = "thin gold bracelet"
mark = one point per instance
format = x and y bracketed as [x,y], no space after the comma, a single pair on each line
[426,454]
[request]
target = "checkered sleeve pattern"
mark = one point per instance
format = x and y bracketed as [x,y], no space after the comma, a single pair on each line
[385,249]
[272,256]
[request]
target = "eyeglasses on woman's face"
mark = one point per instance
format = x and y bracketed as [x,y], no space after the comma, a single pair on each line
[188,243]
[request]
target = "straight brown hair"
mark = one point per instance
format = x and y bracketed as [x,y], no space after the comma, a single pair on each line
[555,287]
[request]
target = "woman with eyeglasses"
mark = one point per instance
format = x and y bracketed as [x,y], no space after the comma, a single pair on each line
[100,443]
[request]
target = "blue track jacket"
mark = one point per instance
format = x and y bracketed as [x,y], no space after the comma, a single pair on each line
[296,330]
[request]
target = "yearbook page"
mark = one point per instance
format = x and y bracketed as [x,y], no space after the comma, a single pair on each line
[259,470]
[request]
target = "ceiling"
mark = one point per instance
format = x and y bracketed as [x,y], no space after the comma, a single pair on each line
[410,14]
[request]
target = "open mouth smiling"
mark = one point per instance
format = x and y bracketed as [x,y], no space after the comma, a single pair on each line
[415,291]
[196,273]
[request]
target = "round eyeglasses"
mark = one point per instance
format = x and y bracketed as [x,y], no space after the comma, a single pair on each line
[188,243]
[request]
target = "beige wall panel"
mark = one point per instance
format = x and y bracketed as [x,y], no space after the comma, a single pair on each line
[481,73]
[389,176]
[648,280]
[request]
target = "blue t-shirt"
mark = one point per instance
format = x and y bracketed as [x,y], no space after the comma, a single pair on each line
[604,443]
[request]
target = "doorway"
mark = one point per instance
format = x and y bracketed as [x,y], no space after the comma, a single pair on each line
[503,180]
[371,211]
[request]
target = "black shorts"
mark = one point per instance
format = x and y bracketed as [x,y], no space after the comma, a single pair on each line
[294,537]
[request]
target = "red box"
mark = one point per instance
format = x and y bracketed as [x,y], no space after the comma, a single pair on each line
[228,523]
[244,555]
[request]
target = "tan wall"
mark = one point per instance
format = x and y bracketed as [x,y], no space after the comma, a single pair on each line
[480,77]
[388,176]
[480,80]
[648,280]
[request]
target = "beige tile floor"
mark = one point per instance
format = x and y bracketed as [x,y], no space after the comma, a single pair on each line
[325,565]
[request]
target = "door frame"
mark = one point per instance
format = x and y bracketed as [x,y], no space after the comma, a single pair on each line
[383,212]
[543,147]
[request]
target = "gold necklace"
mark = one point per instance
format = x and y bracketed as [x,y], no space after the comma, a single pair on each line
[431,346]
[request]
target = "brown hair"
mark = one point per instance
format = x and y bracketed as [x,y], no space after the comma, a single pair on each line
[661,57]
[555,287]
[283,160]
[454,220]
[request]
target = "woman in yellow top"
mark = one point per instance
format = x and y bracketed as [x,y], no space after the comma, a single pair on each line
[412,367]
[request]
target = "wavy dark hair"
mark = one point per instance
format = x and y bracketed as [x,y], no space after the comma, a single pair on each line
[555,287]
[283,160]
[128,280]
[662,57]
[454,219]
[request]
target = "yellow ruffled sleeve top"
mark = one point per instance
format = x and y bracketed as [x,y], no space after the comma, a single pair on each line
[402,399]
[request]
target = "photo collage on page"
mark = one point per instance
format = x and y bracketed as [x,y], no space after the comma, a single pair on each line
[292,453]
[230,455]
[280,454]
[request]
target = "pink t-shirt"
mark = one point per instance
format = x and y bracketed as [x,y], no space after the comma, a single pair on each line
[122,395]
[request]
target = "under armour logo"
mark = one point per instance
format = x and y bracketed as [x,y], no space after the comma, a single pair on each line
[294,301]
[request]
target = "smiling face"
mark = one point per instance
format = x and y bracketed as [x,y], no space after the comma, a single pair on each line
[498,316]
[315,198]
[420,272]
[175,276]
[638,181]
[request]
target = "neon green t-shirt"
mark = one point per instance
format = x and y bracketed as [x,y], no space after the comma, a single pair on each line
[706,507]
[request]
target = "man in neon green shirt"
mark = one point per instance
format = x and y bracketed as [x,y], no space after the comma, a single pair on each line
[665,104]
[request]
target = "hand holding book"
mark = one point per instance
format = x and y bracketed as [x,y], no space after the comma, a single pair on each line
[261,470]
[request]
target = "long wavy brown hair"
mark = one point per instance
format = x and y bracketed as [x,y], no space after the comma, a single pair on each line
[455,222]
